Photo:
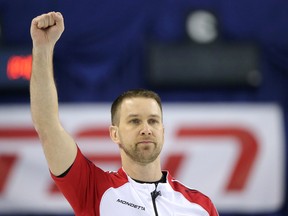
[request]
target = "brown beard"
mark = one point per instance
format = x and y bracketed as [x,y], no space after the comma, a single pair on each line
[141,155]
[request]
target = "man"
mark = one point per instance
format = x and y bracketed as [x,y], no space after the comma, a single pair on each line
[140,187]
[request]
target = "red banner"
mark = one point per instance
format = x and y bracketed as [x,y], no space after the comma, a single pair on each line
[232,153]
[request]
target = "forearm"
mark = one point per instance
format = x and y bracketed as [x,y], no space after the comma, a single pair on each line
[43,94]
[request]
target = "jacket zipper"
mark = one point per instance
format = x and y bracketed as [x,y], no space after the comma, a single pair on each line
[154,195]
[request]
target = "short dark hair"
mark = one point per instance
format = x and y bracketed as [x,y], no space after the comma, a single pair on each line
[136,93]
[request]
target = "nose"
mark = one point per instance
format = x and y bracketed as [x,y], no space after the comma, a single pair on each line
[145,130]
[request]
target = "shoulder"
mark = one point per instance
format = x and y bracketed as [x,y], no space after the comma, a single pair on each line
[101,177]
[193,196]
[86,170]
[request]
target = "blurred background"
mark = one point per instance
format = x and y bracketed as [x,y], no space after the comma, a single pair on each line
[188,51]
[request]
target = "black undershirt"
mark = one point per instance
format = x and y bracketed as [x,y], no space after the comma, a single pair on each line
[64,173]
[162,180]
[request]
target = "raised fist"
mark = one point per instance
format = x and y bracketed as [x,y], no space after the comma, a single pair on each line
[46,29]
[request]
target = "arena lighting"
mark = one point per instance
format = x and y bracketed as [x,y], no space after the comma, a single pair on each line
[202,26]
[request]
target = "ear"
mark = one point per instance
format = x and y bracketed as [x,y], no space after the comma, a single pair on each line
[163,133]
[114,135]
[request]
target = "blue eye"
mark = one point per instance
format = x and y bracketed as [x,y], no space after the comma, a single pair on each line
[153,121]
[135,121]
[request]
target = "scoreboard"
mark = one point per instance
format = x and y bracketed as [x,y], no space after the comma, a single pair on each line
[15,67]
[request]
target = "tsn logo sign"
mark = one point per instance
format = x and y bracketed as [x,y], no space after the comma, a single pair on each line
[225,151]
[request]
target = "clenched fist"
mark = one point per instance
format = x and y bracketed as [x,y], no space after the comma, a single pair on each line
[46,29]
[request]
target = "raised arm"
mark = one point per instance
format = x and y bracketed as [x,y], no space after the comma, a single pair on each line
[59,147]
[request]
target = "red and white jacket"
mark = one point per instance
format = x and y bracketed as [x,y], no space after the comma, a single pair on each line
[91,191]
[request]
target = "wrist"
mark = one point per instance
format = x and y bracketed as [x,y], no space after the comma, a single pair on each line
[42,50]
[42,56]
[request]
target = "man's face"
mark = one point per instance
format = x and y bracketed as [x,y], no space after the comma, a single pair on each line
[140,132]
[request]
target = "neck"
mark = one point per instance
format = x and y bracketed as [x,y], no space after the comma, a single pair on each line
[143,172]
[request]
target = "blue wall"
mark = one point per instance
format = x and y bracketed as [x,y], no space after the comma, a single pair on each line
[104,48]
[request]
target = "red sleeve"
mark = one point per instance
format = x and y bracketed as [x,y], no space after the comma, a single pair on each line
[83,186]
